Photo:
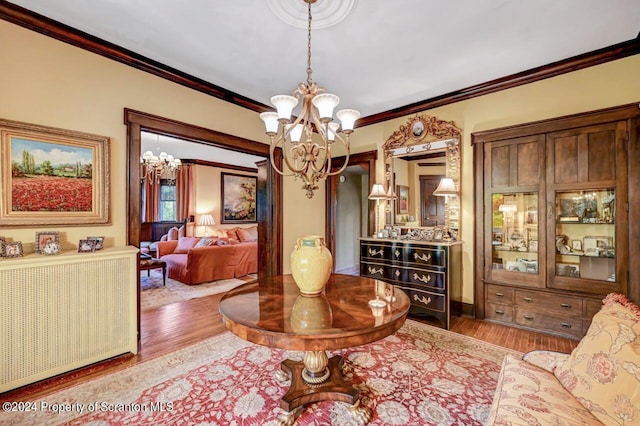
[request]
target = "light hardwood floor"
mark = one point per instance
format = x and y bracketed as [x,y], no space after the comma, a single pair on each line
[172,327]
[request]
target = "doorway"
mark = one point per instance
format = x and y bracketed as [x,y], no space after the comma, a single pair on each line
[349,213]
[269,188]
[432,208]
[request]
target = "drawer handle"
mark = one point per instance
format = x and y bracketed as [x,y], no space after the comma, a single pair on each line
[374,252]
[528,299]
[424,257]
[499,294]
[566,305]
[566,325]
[422,278]
[500,312]
[425,300]
[528,317]
[374,270]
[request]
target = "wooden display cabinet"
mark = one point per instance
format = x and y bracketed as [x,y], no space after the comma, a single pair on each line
[553,219]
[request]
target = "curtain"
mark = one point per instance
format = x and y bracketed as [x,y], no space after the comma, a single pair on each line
[184,198]
[151,194]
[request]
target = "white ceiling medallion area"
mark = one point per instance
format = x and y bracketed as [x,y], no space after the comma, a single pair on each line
[326,13]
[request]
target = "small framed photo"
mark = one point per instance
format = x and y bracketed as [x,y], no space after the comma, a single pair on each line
[13,249]
[498,238]
[99,242]
[86,246]
[533,246]
[576,245]
[438,234]
[44,238]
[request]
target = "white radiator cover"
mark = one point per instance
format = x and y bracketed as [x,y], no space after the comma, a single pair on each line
[59,313]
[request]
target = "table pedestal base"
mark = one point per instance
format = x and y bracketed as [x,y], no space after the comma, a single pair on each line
[334,388]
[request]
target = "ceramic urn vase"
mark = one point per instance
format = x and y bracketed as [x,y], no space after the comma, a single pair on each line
[311,264]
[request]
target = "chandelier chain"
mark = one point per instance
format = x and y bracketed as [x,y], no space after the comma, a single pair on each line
[309,78]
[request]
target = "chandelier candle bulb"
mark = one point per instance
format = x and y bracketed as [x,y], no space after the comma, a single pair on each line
[332,130]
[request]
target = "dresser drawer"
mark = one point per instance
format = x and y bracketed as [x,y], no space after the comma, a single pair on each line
[496,311]
[562,304]
[377,251]
[500,294]
[375,270]
[591,307]
[568,326]
[425,278]
[423,256]
[425,299]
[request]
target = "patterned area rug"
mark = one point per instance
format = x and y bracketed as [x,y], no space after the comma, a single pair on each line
[422,375]
[154,294]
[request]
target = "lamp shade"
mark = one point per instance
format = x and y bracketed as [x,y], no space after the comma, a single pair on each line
[284,104]
[446,188]
[507,208]
[325,102]
[270,121]
[377,192]
[206,220]
[348,119]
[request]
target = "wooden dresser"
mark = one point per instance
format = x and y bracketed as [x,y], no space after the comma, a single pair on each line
[429,272]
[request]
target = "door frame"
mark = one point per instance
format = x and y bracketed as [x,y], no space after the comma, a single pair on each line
[269,188]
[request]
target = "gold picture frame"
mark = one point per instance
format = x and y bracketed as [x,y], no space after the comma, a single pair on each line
[52,176]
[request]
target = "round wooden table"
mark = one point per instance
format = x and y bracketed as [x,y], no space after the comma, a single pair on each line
[352,311]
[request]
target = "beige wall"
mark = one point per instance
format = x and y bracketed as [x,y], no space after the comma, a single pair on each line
[50,83]
[602,86]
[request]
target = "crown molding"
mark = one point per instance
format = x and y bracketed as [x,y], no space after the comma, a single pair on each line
[49,27]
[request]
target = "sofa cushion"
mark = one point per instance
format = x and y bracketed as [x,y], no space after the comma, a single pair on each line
[206,242]
[529,395]
[185,244]
[182,232]
[603,371]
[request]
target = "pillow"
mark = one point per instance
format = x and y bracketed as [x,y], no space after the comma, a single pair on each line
[254,232]
[244,235]
[172,234]
[182,232]
[232,233]
[222,242]
[603,371]
[184,244]
[205,242]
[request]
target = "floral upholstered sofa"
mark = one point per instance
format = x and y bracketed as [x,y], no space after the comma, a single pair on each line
[598,383]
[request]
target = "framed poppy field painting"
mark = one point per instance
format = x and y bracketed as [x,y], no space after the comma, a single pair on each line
[52,176]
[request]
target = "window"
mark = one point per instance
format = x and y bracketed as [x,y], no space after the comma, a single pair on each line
[168,205]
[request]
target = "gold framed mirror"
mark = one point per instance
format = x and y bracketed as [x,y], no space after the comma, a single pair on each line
[417,159]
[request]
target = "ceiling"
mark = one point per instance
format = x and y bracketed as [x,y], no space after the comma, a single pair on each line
[381,56]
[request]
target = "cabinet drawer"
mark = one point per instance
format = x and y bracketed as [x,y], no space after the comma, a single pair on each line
[499,312]
[423,278]
[425,256]
[499,294]
[375,270]
[425,299]
[565,305]
[591,307]
[558,324]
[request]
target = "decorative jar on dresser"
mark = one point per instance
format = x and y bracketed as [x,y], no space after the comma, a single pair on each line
[430,272]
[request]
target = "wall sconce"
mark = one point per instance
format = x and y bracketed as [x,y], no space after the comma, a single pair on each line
[206,220]
[377,193]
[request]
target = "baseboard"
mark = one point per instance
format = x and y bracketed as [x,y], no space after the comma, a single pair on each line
[466,309]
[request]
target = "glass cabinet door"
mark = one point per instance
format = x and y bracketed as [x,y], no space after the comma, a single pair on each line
[515,238]
[585,239]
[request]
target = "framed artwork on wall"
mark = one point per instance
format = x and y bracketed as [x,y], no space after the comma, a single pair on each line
[52,176]
[403,199]
[238,198]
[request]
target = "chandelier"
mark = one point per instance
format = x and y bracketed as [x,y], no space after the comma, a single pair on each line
[308,160]
[156,167]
